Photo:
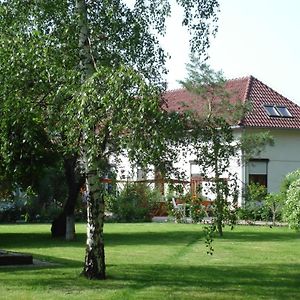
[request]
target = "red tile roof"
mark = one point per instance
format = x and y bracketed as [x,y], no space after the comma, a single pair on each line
[246,89]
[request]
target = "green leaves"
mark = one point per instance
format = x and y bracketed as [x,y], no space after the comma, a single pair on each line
[291,209]
[200,18]
[212,140]
[119,105]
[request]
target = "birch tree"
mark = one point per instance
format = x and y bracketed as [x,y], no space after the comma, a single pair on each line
[93,72]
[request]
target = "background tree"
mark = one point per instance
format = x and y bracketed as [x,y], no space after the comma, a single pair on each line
[93,73]
[212,138]
[38,74]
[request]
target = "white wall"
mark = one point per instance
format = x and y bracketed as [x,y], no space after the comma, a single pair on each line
[284,156]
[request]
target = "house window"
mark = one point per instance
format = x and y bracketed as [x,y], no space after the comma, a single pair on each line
[258,171]
[277,111]
[260,179]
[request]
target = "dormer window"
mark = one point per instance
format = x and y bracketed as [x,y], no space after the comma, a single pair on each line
[277,111]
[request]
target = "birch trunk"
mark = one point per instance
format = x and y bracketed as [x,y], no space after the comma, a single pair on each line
[94,265]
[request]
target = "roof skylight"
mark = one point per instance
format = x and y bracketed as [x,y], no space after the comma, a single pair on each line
[283,111]
[277,111]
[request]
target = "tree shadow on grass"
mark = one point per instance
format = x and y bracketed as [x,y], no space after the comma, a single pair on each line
[181,237]
[269,281]
[256,281]
[44,240]
[214,277]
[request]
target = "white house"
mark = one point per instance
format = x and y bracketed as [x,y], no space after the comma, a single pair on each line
[271,112]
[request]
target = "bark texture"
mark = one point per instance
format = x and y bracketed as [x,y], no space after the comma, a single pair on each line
[94,267]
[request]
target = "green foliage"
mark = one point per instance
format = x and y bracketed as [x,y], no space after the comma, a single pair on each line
[275,202]
[288,180]
[15,207]
[254,212]
[255,193]
[254,208]
[49,212]
[197,211]
[260,205]
[135,203]
[84,78]
[290,191]
[52,187]
[41,203]
[291,210]
[212,138]
[26,206]
[195,208]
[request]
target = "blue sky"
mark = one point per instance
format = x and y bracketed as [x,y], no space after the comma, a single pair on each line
[255,37]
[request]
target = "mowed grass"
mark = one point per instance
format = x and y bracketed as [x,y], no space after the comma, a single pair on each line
[156,261]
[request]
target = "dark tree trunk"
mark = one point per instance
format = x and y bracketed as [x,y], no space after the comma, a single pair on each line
[60,227]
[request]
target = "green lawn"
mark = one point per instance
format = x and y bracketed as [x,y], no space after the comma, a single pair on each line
[157,261]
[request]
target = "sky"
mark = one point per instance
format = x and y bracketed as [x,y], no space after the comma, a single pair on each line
[255,37]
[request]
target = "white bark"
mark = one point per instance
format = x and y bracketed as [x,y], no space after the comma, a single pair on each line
[94,267]
[95,256]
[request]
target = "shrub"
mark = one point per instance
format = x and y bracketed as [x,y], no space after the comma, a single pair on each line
[274,203]
[49,212]
[25,206]
[135,203]
[197,211]
[288,180]
[291,210]
[8,211]
[254,208]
